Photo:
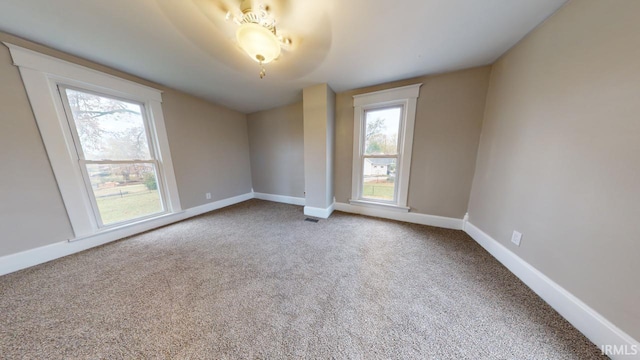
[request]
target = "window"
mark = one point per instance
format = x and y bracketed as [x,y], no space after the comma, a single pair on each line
[383,139]
[107,145]
[113,150]
[380,154]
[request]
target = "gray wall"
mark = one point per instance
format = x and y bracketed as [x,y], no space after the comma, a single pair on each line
[559,155]
[331,145]
[276,141]
[31,210]
[447,130]
[318,122]
[209,146]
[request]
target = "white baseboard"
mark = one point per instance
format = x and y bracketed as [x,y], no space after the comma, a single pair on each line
[280,198]
[319,212]
[416,218]
[219,204]
[593,325]
[22,260]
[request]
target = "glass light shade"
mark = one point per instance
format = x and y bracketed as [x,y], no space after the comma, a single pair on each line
[258,42]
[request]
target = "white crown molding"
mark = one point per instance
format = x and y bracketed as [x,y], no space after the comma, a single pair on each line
[588,321]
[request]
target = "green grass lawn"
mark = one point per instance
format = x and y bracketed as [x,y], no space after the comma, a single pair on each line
[382,190]
[127,202]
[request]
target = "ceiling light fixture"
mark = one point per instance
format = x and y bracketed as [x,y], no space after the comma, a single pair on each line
[257,34]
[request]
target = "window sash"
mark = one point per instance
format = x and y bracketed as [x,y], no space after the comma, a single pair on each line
[395,182]
[397,155]
[94,201]
[72,122]
[367,110]
[83,162]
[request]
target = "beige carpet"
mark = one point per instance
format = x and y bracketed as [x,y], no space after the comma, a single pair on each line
[256,281]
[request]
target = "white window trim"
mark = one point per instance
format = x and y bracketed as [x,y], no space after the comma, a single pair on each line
[41,75]
[406,97]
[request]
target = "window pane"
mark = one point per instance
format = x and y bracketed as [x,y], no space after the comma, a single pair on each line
[124,191]
[381,135]
[379,178]
[108,129]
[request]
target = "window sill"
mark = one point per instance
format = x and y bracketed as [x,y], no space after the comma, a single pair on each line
[378,205]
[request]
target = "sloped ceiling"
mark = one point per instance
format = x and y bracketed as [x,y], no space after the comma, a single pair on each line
[347,44]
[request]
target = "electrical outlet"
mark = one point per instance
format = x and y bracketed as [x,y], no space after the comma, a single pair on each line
[208,196]
[516,237]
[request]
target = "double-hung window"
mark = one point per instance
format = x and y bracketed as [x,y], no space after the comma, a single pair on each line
[115,154]
[383,139]
[107,145]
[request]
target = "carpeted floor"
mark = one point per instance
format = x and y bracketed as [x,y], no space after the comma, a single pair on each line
[256,281]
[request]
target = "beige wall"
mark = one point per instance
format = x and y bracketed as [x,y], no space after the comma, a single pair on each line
[331,146]
[277,150]
[559,155]
[209,146]
[31,210]
[318,125]
[447,130]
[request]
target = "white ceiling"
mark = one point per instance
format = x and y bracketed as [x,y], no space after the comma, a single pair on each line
[366,42]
